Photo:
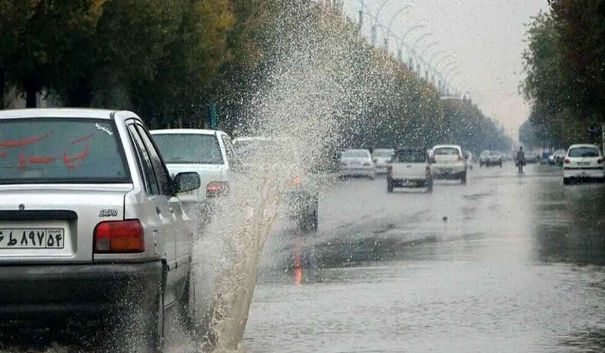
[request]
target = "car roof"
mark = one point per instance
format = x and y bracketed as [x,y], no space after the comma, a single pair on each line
[260,138]
[76,113]
[447,146]
[186,131]
[583,145]
[416,149]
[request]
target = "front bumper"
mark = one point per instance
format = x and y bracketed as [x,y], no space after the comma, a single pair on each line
[48,293]
[585,173]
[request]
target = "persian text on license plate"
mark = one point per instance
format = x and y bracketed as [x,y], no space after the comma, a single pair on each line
[32,238]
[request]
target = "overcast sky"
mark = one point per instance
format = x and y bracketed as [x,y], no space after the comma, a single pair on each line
[486,37]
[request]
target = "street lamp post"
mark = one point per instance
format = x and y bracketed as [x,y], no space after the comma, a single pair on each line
[386,41]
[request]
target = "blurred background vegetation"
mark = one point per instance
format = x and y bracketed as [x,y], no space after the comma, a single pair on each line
[169,61]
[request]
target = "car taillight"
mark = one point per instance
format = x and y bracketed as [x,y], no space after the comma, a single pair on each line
[427,171]
[119,237]
[567,161]
[216,188]
[297,180]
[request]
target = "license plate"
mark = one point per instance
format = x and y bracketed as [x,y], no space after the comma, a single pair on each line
[448,170]
[32,238]
[583,163]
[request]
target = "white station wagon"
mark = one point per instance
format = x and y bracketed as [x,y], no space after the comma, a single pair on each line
[88,229]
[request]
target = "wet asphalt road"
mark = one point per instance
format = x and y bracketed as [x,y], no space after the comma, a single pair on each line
[506,263]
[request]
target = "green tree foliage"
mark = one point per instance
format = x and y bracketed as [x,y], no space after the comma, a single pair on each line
[168,60]
[565,66]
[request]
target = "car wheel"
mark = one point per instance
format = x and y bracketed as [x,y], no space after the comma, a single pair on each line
[463,178]
[315,220]
[566,181]
[429,186]
[389,185]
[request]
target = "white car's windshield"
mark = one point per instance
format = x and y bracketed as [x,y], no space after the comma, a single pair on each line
[445,151]
[189,148]
[583,152]
[355,154]
[60,150]
[383,153]
[410,156]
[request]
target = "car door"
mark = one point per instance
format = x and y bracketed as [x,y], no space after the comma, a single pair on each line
[159,196]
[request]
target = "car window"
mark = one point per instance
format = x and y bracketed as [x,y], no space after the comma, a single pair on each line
[151,182]
[584,152]
[355,154]
[228,149]
[410,157]
[189,148]
[61,150]
[161,173]
[383,153]
[446,151]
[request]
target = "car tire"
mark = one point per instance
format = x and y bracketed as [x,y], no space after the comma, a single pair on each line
[156,323]
[315,220]
[389,185]
[566,181]
[429,186]
[463,178]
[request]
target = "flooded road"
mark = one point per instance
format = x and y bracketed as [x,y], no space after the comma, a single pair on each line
[507,263]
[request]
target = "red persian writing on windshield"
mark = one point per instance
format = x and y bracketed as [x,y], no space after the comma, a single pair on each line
[69,158]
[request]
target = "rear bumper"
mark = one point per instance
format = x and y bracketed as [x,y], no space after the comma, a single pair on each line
[370,171]
[411,182]
[448,171]
[584,173]
[299,203]
[56,292]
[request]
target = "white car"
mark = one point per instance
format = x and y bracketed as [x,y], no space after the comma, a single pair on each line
[488,158]
[302,197]
[410,167]
[89,233]
[448,162]
[382,159]
[583,161]
[206,152]
[357,162]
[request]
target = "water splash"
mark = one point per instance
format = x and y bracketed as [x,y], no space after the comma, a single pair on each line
[312,84]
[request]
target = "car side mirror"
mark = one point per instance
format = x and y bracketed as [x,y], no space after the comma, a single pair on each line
[186,181]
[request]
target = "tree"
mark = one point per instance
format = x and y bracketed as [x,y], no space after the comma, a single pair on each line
[15,16]
[47,30]
[580,28]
